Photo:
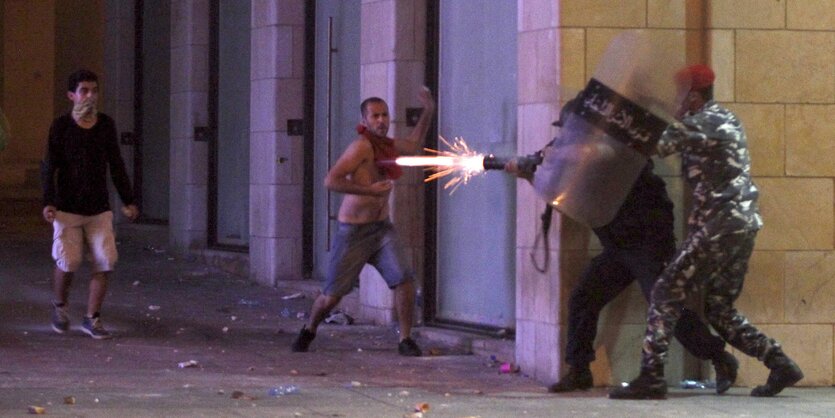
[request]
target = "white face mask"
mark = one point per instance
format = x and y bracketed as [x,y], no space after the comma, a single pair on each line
[85,110]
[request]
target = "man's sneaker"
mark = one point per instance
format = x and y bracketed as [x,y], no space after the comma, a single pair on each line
[726,367]
[302,342]
[60,319]
[94,328]
[408,347]
[645,386]
[575,379]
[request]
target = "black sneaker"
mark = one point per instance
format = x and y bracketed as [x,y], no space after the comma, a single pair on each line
[408,347]
[302,342]
[60,319]
[94,328]
[726,367]
[644,386]
[575,379]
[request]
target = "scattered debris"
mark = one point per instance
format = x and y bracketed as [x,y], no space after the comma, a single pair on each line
[36,410]
[285,313]
[301,315]
[422,407]
[294,372]
[283,390]
[186,364]
[247,302]
[509,368]
[225,330]
[240,395]
[136,283]
[297,295]
[153,307]
[403,393]
[355,384]
[696,384]
[340,318]
[69,400]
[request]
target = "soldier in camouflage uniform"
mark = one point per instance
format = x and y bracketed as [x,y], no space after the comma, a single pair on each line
[720,238]
[637,244]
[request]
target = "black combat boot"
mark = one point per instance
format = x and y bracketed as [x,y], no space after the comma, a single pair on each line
[577,378]
[726,367]
[784,373]
[646,386]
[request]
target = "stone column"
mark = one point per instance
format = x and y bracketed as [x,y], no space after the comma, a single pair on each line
[393,60]
[189,109]
[538,295]
[276,159]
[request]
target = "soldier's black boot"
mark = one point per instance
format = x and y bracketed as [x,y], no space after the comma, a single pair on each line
[726,367]
[577,378]
[784,373]
[646,386]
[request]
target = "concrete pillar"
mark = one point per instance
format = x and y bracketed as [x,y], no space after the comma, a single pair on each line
[276,158]
[392,60]
[538,295]
[189,109]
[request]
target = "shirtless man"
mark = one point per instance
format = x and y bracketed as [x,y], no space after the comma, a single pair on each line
[365,173]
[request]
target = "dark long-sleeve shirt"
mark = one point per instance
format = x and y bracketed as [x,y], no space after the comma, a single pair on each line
[644,221]
[74,172]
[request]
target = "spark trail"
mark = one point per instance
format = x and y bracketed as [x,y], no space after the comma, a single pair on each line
[459,163]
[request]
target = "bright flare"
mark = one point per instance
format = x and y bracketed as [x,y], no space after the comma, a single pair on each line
[460,162]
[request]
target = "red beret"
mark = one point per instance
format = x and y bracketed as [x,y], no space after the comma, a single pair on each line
[698,76]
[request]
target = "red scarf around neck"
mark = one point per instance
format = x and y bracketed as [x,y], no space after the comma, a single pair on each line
[385,153]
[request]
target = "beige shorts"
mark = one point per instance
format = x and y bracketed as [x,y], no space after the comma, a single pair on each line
[73,232]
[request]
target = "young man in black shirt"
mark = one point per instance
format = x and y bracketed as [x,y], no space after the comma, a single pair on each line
[82,146]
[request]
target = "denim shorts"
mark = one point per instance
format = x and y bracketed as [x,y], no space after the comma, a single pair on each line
[356,245]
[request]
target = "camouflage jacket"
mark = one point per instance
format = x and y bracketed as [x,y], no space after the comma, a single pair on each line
[716,164]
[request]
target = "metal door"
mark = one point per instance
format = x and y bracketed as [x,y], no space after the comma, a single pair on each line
[336,110]
[153,113]
[476,234]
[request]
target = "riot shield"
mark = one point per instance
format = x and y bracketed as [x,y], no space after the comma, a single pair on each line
[613,127]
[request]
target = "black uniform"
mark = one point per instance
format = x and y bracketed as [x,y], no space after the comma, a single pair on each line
[636,246]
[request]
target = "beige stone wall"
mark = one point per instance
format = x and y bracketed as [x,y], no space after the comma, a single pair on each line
[28,87]
[775,63]
[778,61]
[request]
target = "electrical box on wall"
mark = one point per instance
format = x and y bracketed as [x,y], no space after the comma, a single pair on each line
[413,115]
[202,133]
[295,127]
[126,138]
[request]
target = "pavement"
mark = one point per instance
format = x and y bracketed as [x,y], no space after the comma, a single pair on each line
[165,310]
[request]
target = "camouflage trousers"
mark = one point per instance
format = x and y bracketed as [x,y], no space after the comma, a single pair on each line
[718,265]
